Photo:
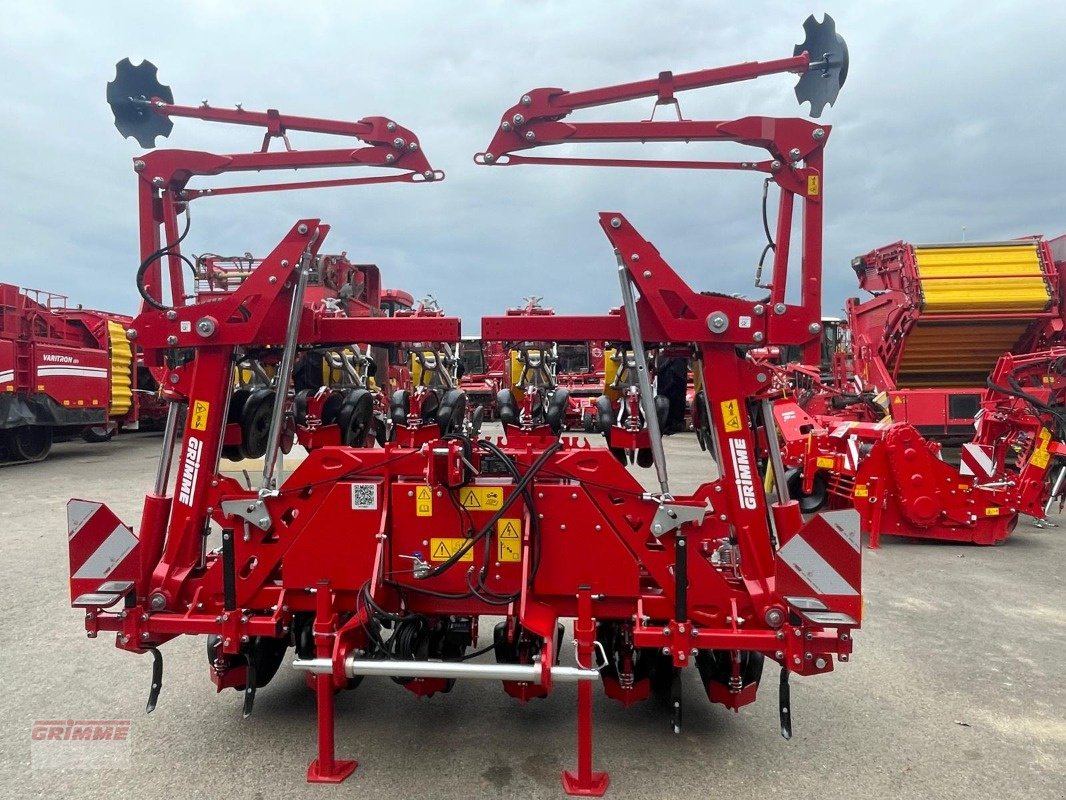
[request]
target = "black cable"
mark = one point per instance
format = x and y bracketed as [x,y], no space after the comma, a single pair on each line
[487,529]
[770,245]
[534,520]
[158,254]
[430,592]
[475,654]
[1015,390]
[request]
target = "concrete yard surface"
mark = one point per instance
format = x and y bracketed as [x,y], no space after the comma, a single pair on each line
[956,688]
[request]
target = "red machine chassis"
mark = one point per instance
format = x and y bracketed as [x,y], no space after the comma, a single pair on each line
[433,531]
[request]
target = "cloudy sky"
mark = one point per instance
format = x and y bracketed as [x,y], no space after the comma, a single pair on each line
[952,116]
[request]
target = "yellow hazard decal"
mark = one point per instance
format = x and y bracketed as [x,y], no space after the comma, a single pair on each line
[509,540]
[424,502]
[824,462]
[897,400]
[862,490]
[481,498]
[812,185]
[991,511]
[731,415]
[1041,456]
[201,409]
[443,549]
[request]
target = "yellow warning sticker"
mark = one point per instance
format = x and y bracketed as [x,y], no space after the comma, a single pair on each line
[824,462]
[862,490]
[509,540]
[897,400]
[481,498]
[731,415]
[812,185]
[443,549]
[201,409]
[424,502]
[992,511]
[1041,456]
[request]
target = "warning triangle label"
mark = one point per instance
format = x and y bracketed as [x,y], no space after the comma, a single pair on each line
[470,499]
[442,551]
[424,493]
[509,530]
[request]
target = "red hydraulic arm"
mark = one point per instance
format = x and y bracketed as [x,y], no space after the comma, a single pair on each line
[794,148]
[143,109]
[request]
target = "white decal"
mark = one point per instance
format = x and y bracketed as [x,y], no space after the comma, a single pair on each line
[738,452]
[189,470]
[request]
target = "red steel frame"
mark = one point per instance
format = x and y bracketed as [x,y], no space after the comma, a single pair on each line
[163,175]
[593,545]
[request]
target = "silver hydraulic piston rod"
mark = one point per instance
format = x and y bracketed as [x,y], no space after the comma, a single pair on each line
[1056,488]
[170,436]
[284,374]
[647,399]
[776,464]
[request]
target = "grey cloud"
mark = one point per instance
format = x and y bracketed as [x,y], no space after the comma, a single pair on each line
[952,116]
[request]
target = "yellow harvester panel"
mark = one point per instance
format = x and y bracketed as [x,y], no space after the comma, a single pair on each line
[996,279]
[1000,285]
[121,371]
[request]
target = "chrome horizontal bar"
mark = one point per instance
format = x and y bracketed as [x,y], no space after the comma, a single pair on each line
[530,673]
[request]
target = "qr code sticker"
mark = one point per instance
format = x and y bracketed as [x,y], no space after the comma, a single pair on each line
[364,496]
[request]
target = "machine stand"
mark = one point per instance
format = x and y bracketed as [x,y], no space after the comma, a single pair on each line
[585,782]
[326,768]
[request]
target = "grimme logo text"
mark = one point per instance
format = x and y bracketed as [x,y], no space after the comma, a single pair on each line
[83,730]
[190,469]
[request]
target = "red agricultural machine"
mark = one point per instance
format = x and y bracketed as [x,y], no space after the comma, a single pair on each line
[65,372]
[899,480]
[483,367]
[383,560]
[932,359]
[940,317]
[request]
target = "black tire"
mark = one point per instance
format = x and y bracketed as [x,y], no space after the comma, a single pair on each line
[332,407]
[808,503]
[505,407]
[430,406]
[98,434]
[452,411]
[30,442]
[255,423]
[354,417]
[299,406]
[400,406]
[234,413]
[556,413]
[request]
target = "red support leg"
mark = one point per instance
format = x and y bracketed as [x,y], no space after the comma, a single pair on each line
[326,768]
[585,783]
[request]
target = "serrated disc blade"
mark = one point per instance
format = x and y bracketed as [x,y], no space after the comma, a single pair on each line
[137,119]
[821,85]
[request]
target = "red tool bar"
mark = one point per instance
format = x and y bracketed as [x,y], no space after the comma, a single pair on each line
[575,328]
[667,82]
[386,330]
[275,122]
